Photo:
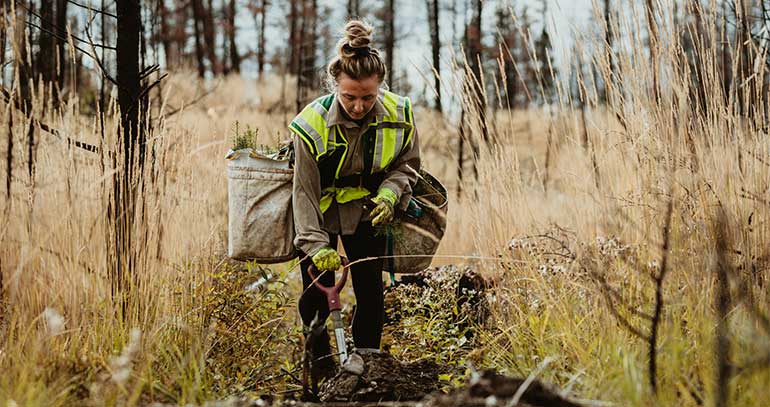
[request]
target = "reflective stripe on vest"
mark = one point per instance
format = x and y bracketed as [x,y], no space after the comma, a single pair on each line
[392,134]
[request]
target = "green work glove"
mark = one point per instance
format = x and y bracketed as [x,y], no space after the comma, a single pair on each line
[383,212]
[327,259]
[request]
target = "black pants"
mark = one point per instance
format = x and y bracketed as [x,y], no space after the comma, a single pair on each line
[367,285]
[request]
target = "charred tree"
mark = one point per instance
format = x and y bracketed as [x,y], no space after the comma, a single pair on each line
[230,31]
[198,17]
[307,52]
[131,145]
[46,66]
[262,24]
[210,38]
[435,42]
[474,79]
[294,34]
[609,39]
[61,45]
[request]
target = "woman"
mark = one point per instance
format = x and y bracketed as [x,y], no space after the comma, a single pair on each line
[356,160]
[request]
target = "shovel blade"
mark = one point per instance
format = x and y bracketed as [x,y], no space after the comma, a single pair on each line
[342,349]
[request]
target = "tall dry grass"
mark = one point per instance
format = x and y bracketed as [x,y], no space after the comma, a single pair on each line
[561,198]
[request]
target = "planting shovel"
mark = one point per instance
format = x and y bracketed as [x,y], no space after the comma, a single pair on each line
[333,299]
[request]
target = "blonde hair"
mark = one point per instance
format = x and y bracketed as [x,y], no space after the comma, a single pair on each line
[355,55]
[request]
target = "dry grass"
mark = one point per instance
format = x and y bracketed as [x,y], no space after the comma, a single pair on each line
[551,223]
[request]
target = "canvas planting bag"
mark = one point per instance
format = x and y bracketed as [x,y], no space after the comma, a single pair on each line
[417,232]
[261,222]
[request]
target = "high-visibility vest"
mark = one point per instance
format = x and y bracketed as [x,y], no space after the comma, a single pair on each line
[383,142]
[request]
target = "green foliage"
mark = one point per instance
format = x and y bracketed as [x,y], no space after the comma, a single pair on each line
[245,139]
[433,319]
[254,335]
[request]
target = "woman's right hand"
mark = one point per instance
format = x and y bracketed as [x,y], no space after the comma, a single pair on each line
[327,259]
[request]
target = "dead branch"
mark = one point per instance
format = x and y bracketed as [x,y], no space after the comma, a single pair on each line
[655,323]
[89,8]
[18,105]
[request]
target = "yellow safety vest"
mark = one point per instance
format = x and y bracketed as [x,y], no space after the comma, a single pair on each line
[385,140]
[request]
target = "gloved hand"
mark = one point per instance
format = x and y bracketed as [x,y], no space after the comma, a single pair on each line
[384,211]
[327,259]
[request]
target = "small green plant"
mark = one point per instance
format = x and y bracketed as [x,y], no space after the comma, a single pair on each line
[247,139]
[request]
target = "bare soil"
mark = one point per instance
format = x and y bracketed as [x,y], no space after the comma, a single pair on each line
[385,378]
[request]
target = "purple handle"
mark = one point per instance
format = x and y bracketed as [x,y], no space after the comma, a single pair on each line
[332,293]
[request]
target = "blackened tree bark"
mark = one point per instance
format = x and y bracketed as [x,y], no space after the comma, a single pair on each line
[435,42]
[307,52]
[261,40]
[210,36]
[46,66]
[131,142]
[61,45]
[198,17]
[294,40]
[235,57]
[609,39]
[508,55]
[475,81]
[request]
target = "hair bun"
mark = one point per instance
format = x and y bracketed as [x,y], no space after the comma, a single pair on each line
[358,34]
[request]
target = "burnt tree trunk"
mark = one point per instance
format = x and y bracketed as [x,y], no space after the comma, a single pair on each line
[475,81]
[261,40]
[210,36]
[235,57]
[307,50]
[131,146]
[46,66]
[197,28]
[294,36]
[608,43]
[433,22]
[61,45]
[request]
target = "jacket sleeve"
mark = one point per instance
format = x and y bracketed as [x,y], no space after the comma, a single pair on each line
[306,197]
[402,174]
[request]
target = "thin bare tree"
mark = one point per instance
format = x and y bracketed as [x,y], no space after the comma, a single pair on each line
[354,8]
[435,42]
[389,24]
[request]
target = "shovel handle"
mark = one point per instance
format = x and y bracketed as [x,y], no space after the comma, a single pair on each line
[332,293]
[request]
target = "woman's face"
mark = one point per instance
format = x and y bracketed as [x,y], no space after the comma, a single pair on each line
[357,97]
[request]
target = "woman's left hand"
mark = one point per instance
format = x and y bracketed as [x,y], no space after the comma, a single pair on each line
[384,211]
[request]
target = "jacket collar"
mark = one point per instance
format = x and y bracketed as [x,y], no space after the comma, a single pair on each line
[337,115]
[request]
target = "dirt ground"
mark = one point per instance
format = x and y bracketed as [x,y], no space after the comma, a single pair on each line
[388,382]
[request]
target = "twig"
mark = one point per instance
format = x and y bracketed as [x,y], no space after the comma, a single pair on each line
[721,342]
[655,323]
[88,7]
[54,26]
[70,141]
[96,58]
